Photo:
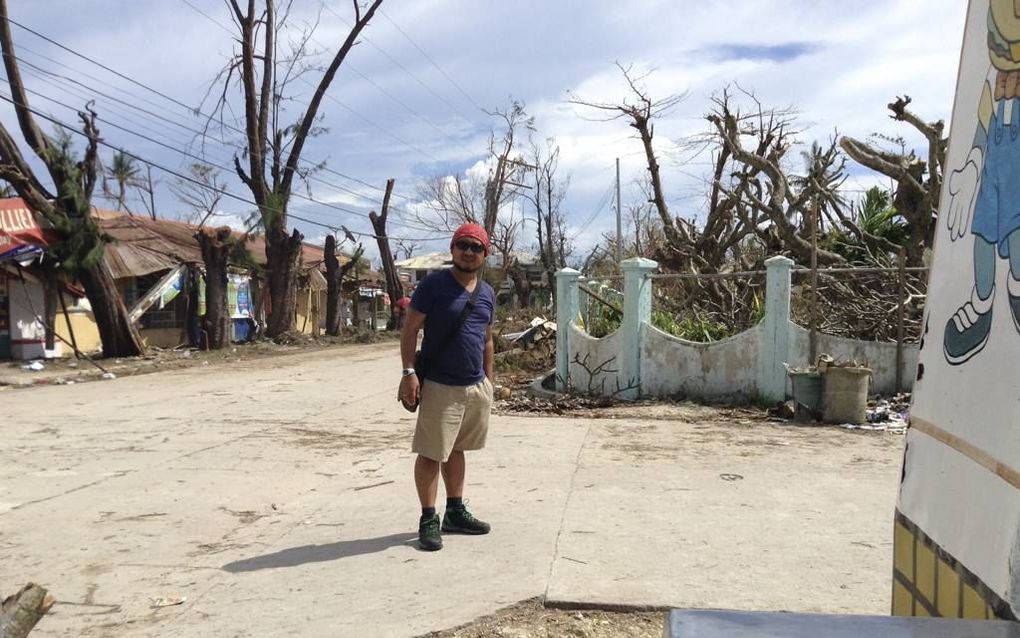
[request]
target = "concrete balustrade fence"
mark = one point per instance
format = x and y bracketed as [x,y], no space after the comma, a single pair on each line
[639,360]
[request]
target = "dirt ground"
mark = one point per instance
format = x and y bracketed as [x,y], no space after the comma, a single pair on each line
[531,619]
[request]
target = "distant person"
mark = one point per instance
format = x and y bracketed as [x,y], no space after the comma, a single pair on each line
[401,311]
[456,309]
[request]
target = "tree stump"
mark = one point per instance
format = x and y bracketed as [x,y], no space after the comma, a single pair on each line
[20,613]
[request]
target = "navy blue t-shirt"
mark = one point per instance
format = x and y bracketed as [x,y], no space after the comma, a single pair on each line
[441,298]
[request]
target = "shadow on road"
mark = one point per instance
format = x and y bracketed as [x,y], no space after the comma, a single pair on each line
[295,556]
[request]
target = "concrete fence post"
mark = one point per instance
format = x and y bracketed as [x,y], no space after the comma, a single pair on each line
[775,344]
[637,311]
[566,314]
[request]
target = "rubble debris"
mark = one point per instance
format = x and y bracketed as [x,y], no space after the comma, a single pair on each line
[167,602]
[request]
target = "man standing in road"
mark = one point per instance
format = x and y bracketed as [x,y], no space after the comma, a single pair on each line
[456,309]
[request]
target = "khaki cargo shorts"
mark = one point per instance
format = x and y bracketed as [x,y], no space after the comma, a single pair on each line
[452,417]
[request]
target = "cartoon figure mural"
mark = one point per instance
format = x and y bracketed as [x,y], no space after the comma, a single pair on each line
[956,540]
[989,185]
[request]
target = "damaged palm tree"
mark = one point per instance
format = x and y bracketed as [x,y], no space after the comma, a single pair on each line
[273,145]
[81,248]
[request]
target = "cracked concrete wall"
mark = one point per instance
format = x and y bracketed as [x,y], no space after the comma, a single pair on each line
[595,352]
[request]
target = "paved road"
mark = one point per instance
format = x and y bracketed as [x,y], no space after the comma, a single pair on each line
[275,497]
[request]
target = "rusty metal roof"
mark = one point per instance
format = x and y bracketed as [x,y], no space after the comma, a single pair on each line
[143,245]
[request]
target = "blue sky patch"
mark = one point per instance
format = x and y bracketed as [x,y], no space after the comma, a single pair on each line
[768,52]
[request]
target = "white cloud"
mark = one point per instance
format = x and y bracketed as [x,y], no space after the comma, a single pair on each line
[839,63]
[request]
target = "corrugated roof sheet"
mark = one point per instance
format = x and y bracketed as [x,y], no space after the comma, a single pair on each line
[143,245]
[431,261]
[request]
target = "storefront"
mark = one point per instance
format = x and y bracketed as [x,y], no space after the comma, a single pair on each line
[22,297]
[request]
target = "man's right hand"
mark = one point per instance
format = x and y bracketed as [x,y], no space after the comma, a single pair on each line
[410,389]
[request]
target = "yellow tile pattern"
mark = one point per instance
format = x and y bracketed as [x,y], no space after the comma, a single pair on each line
[924,572]
[902,600]
[948,590]
[928,582]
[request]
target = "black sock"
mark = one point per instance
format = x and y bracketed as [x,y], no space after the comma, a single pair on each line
[455,502]
[427,512]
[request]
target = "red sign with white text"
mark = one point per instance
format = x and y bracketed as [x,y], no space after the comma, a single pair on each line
[18,226]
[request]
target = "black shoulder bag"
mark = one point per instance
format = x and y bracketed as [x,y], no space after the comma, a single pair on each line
[421,363]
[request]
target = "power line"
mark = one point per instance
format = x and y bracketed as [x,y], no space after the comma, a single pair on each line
[598,210]
[204,161]
[403,68]
[434,63]
[192,110]
[192,180]
[198,133]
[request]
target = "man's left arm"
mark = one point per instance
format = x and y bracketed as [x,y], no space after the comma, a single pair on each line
[490,350]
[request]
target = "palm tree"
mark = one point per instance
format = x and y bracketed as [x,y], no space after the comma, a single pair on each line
[125,172]
[875,215]
[824,174]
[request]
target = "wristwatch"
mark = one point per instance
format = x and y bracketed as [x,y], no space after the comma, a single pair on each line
[406,372]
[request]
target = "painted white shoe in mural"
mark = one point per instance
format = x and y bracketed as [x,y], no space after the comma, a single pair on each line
[967,330]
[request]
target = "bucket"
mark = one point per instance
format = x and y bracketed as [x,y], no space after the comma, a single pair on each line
[845,399]
[806,390]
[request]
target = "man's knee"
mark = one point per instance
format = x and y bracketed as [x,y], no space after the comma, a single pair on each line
[427,463]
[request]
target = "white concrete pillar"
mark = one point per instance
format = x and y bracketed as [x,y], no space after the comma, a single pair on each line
[566,314]
[775,343]
[637,311]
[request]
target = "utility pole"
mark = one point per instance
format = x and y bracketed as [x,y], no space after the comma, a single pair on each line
[619,218]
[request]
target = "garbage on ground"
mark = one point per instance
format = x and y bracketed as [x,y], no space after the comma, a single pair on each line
[109,375]
[167,602]
[35,366]
[540,329]
[831,391]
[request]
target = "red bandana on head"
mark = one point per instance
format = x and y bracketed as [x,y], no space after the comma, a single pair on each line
[471,231]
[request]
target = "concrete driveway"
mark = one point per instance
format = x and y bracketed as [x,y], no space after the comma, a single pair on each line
[275,498]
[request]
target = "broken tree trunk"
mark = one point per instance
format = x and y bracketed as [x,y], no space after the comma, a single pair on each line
[283,256]
[333,299]
[118,334]
[215,248]
[335,274]
[22,611]
[393,286]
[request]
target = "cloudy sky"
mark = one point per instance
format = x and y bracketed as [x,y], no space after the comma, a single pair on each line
[410,102]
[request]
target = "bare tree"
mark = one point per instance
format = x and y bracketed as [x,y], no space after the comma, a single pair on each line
[918,181]
[202,193]
[147,193]
[393,287]
[640,111]
[452,200]
[547,195]
[274,143]
[406,248]
[768,201]
[68,209]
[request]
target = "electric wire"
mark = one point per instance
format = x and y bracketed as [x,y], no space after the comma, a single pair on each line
[187,178]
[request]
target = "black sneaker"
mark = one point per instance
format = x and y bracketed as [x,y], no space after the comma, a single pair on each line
[428,534]
[458,520]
